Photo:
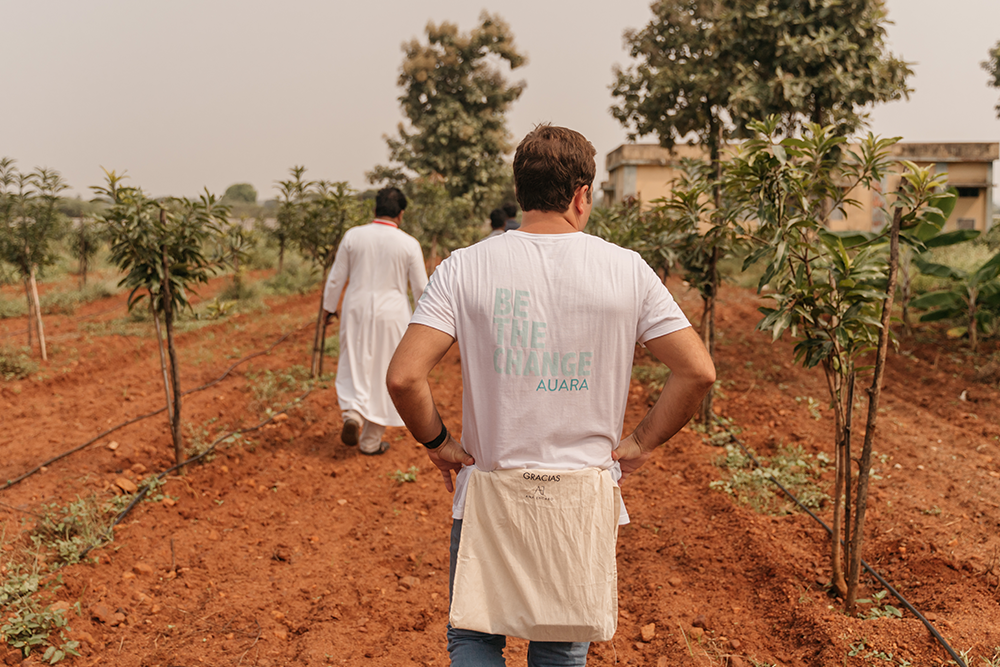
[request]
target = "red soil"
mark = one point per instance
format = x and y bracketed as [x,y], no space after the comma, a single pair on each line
[290,548]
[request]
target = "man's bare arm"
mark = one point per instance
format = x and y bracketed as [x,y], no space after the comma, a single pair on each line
[692,373]
[421,348]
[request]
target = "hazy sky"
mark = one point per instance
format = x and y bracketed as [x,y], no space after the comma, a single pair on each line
[193,93]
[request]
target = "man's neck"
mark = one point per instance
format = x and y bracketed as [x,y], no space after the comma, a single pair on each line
[549,222]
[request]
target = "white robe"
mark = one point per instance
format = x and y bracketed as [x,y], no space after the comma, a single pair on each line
[374,261]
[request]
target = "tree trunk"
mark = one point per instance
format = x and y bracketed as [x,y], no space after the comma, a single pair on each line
[175,378]
[848,418]
[706,413]
[281,254]
[163,362]
[836,550]
[874,394]
[38,314]
[905,288]
[973,324]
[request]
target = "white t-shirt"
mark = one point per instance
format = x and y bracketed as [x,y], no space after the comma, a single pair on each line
[547,326]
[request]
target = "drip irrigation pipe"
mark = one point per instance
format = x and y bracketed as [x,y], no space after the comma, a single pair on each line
[58,457]
[141,493]
[868,568]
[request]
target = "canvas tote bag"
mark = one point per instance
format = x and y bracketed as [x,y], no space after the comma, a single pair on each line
[537,555]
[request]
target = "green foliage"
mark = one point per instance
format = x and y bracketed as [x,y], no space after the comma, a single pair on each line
[440,222]
[751,485]
[328,212]
[823,62]
[992,67]
[707,68]
[297,277]
[401,477]
[30,628]
[267,386]
[85,242]
[972,297]
[146,235]
[240,193]
[826,288]
[66,531]
[645,232]
[29,216]
[879,607]
[456,100]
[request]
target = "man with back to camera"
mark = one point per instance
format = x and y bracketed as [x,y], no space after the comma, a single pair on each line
[547,319]
[375,262]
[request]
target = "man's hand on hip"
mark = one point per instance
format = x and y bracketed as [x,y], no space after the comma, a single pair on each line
[448,457]
[630,455]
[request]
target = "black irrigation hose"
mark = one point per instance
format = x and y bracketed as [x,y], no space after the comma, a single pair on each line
[58,457]
[141,493]
[868,568]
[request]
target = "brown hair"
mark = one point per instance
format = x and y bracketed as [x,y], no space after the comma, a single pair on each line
[549,165]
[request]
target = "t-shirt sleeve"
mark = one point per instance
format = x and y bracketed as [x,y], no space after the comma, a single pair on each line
[436,307]
[659,314]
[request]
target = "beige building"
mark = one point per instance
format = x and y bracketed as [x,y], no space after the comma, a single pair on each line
[646,171]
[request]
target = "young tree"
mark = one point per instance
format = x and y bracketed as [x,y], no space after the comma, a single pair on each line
[291,208]
[29,222]
[992,67]
[456,100]
[967,299]
[832,292]
[159,246]
[331,209]
[85,237]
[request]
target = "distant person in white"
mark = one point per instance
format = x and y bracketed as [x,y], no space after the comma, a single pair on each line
[375,262]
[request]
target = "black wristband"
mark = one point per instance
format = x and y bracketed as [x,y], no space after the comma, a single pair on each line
[438,441]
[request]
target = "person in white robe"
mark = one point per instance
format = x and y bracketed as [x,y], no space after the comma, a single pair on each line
[374,262]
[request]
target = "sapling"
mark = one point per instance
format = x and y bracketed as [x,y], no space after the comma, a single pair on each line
[159,246]
[832,292]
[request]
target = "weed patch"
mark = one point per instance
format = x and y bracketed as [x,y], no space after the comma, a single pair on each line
[791,467]
[15,364]
[267,386]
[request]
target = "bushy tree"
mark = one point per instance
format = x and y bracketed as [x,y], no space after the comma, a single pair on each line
[455,99]
[824,63]
[292,195]
[240,193]
[992,67]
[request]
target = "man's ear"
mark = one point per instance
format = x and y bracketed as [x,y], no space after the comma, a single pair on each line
[580,199]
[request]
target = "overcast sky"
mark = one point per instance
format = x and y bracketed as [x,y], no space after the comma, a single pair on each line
[193,93]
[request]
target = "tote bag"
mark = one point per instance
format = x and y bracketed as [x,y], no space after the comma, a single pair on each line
[537,555]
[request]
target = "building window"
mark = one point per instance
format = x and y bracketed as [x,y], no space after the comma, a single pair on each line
[968,192]
[966,223]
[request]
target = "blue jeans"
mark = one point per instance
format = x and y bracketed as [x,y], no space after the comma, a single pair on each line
[469,648]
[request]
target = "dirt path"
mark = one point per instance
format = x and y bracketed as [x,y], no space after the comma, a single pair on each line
[289,548]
